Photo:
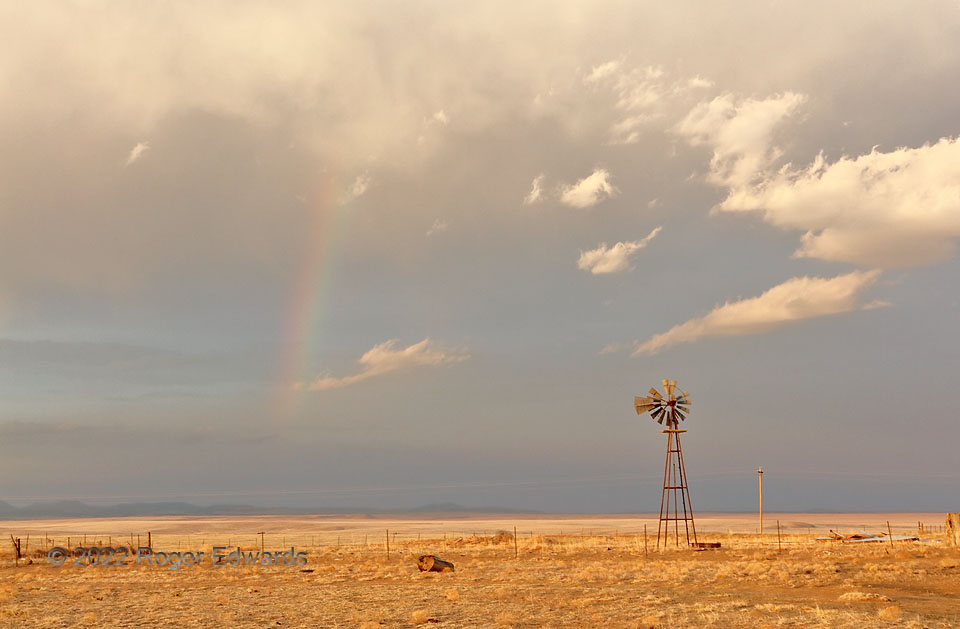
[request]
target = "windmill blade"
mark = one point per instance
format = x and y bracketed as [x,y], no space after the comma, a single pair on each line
[673,386]
[666,386]
[655,393]
[680,415]
[683,409]
[657,414]
[684,394]
[643,408]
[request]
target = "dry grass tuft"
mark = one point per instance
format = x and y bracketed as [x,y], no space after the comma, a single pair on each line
[863,596]
[501,537]
[891,612]
[649,622]
[420,617]
[452,595]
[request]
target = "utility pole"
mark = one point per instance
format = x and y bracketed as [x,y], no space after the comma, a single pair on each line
[760,480]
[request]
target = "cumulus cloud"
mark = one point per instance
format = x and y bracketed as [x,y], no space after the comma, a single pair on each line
[137,152]
[613,259]
[899,208]
[589,191]
[879,210]
[386,358]
[536,191]
[796,299]
[740,132]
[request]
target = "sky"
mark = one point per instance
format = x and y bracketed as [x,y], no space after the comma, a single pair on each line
[380,255]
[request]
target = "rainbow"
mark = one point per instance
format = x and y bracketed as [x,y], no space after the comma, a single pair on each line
[308,301]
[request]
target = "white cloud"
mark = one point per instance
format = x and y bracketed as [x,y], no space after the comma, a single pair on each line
[796,299]
[892,209]
[588,191]
[642,95]
[439,225]
[360,185]
[357,188]
[699,82]
[878,210]
[603,71]
[386,358]
[441,117]
[137,152]
[536,191]
[740,132]
[613,259]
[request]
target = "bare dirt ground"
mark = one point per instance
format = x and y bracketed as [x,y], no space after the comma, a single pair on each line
[570,572]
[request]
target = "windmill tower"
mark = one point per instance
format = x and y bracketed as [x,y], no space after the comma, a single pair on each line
[673,409]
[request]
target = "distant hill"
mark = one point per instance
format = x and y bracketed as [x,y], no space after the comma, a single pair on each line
[77,509]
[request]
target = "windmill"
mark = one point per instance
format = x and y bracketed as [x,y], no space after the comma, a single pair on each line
[672,409]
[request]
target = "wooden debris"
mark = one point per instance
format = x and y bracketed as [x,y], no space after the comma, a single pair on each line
[953,529]
[432,563]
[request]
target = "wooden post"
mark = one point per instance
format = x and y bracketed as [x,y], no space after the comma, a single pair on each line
[16,550]
[760,481]
[261,541]
[149,540]
[890,533]
[779,545]
[516,553]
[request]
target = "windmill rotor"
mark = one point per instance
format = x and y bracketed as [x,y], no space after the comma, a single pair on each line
[667,406]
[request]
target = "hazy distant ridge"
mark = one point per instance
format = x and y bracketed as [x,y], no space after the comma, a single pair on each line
[77,509]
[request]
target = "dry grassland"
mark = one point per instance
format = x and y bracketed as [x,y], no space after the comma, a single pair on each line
[571,572]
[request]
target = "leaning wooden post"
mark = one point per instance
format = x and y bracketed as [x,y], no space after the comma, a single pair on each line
[16,550]
[890,533]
